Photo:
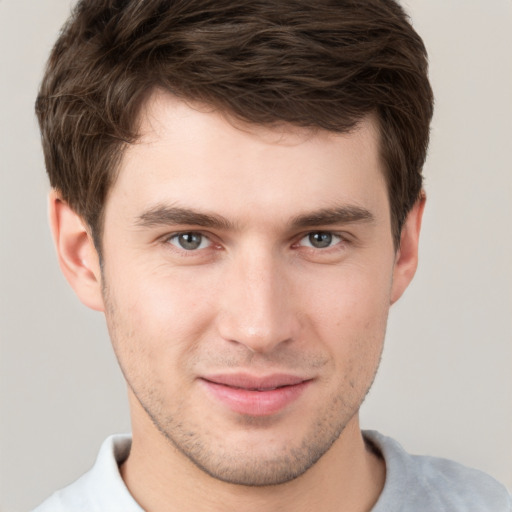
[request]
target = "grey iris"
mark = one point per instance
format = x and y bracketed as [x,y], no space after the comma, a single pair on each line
[190,241]
[320,240]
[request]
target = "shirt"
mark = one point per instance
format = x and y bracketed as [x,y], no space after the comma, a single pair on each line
[413,484]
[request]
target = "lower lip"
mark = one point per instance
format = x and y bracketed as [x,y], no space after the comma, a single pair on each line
[256,403]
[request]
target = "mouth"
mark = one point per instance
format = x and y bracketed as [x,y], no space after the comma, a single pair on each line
[255,396]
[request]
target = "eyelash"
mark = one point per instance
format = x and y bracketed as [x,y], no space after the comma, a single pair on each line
[330,234]
[168,240]
[339,238]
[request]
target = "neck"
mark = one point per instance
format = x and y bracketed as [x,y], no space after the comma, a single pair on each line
[348,477]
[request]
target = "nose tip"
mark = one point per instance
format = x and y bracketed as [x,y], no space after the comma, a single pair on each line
[259,337]
[256,308]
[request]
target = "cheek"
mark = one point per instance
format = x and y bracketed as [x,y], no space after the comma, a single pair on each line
[348,311]
[157,318]
[353,296]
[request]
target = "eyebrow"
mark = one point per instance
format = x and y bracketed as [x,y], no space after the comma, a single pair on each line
[166,215]
[170,215]
[328,216]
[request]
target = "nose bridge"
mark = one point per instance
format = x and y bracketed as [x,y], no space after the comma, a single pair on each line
[256,307]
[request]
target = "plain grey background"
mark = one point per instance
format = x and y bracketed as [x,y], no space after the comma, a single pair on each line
[445,385]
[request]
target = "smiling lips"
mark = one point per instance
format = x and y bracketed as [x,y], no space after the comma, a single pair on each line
[255,396]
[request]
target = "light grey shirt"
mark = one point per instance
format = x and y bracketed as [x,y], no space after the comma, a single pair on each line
[413,484]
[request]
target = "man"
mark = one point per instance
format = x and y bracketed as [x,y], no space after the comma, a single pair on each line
[237,186]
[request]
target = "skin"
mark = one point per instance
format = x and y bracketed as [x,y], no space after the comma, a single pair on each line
[258,295]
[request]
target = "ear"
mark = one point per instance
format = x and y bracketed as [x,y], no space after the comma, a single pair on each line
[406,260]
[78,258]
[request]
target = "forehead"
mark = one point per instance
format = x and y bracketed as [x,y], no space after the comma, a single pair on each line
[191,153]
[163,112]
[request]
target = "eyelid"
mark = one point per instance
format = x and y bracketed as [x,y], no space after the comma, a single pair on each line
[204,242]
[166,239]
[341,236]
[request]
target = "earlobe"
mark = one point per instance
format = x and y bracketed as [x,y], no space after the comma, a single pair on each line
[78,258]
[407,255]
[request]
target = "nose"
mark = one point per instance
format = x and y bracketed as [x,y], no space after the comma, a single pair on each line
[256,307]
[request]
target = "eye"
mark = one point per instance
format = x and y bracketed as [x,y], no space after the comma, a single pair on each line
[320,240]
[189,241]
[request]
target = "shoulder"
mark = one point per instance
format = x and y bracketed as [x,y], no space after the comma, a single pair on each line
[433,484]
[457,487]
[101,488]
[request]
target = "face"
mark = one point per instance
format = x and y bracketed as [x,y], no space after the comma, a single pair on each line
[247,278]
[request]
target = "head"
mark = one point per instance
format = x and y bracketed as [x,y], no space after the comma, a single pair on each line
[249,173]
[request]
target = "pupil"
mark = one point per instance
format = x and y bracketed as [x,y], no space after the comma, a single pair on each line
[190,241]
[320,240]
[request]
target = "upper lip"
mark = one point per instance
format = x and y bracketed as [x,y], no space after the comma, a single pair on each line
[252,382]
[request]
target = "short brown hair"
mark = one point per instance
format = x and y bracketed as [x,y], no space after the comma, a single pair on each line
[322,63]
